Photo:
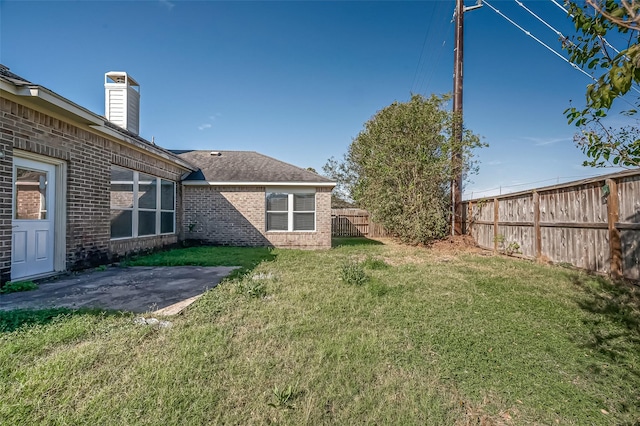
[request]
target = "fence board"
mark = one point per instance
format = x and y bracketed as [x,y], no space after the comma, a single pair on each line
[569,223]
[629,216]
[354,223]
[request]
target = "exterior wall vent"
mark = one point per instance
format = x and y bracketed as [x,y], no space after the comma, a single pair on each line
[122,100]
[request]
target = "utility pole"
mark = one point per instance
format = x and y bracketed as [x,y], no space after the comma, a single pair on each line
[456,157]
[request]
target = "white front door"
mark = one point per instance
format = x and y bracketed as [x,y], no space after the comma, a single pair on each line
[33,222]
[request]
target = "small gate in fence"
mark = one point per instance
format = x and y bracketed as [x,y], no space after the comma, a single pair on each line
[354,223]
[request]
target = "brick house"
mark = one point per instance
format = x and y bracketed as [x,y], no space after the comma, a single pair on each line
[224,201]
[78,189]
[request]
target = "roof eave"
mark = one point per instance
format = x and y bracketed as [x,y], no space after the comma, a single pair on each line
[46,98]
[43,95]
[149,148]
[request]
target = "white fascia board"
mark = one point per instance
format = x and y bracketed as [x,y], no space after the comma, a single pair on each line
[95,121]
[109,131]
[60,102]
[8,87]
[269,184]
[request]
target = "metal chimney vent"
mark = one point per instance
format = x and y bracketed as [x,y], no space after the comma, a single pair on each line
[122,100]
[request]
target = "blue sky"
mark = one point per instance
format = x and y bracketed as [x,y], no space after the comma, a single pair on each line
[297,80]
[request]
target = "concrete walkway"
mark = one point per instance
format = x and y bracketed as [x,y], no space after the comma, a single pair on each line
[161,290]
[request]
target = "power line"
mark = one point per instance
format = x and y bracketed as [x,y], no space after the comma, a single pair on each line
[424,43]
[604,40]
[439,28]
[561,7]
[558,33]
[539,41]
[429,76]
[601,38]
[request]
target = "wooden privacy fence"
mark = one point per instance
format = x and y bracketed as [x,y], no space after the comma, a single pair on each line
[354,223]
[592,224]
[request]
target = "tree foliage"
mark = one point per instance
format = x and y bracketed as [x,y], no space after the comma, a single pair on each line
[345,177]
[595,19]
[399,167]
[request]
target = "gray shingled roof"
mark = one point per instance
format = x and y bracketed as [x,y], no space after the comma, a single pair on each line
[14,78]
[245,166]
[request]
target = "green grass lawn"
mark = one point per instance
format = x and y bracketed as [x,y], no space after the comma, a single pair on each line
[429,338]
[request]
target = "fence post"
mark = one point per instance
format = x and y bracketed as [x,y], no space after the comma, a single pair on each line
[536,224]
[615,246]
[495,224]
[469,218]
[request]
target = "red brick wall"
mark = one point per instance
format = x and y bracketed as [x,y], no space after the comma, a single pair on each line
[6,178]
[88,157]
[321,238]
[236,216]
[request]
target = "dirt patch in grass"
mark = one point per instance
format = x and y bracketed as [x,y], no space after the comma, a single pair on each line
[450,245]
[445,250]
[456,245]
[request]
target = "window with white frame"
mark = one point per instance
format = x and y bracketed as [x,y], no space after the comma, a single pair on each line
[291,210]
[141,204]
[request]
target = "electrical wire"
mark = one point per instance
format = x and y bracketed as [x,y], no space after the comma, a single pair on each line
[538,40]
[566,39]
[429,76]
[604,40]
[575,66]
[420,64]
[561,7]
[601,38]
[558,33]
[440,28]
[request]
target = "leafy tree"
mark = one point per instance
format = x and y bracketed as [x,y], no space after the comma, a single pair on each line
[399,167]
[338,202]
[594,19]
[344,176]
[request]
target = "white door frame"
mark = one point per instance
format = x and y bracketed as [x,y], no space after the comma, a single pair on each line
[60,205]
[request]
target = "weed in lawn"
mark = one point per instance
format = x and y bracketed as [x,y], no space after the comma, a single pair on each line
[509,248]
[101,268]
[375,263]
[378,288]
[352,272]
[255,289]
[16,286]
[512,248]
[282,397]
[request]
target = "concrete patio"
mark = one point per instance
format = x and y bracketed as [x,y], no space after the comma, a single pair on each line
[161,290]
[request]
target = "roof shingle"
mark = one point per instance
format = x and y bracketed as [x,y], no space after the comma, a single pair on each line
[245,166]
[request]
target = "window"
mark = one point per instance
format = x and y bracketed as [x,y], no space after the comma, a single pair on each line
[291,211]
[30,194]
[141,204]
